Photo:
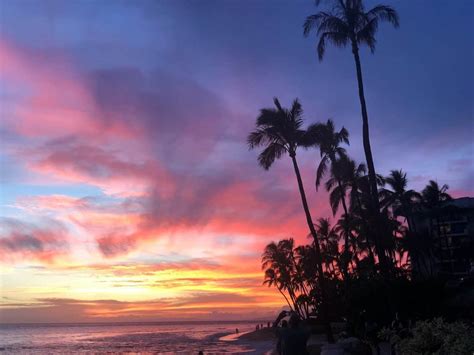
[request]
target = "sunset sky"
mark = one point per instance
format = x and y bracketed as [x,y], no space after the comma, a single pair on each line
[127,188]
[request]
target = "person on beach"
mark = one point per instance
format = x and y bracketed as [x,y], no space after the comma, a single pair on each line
[284,324]
[291,340]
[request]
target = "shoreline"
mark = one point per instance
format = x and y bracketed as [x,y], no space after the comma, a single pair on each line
[262,341]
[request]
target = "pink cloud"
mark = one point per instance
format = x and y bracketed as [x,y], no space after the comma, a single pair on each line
[54,100]
[20,241]
[113,171]
[130,135]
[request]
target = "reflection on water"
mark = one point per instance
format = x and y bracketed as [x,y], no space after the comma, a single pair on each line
[139,338]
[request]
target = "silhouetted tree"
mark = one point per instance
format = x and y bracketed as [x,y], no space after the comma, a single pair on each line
[433,194]
[399,199]
[328,140]
[353,182]
[273,279]
[281,271]
[279,131]
[349,23]
[329,246]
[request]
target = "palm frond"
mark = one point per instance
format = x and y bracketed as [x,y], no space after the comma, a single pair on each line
[367,34]
[384,13]
[344,135]
[277,104]
[296,108]
[335,198]
[316,132]
[331,23]
[256,138]
[267,117]
[361,169]
[321,170]
[308,139]
[268,156]
[313,22]
[341,152]
[330,183]
[338,39]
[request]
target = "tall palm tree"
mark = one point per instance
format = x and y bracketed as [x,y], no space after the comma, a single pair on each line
[279,130]
[349,23]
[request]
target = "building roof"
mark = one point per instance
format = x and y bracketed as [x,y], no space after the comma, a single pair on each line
[462,202]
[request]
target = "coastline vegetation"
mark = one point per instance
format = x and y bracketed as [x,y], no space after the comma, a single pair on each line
[373,264]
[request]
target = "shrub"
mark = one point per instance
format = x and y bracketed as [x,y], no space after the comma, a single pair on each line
[438,337]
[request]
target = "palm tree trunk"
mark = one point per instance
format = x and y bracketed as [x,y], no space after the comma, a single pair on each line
[309,220]
[370,160]
[286,299]
[293,300]
[369,247]
[346,231]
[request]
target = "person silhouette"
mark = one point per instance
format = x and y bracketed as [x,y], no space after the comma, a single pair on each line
[292,339]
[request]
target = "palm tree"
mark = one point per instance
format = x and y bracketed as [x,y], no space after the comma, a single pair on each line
[337,186]
[433,194]
[272,279]
[306,256]
[355,182]
[283,270]
[349,23]
[279,130]
[329,244]
[288,248]
[347,226]
[401,200]
[280,270]
[328,140]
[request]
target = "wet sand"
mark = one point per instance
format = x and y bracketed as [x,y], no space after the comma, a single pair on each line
[263,341]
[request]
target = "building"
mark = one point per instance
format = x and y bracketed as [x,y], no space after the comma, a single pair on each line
[448,231]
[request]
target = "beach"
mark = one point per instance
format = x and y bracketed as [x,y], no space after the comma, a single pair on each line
[263,341]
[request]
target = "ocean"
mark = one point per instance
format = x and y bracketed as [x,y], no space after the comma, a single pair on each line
[124,338]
